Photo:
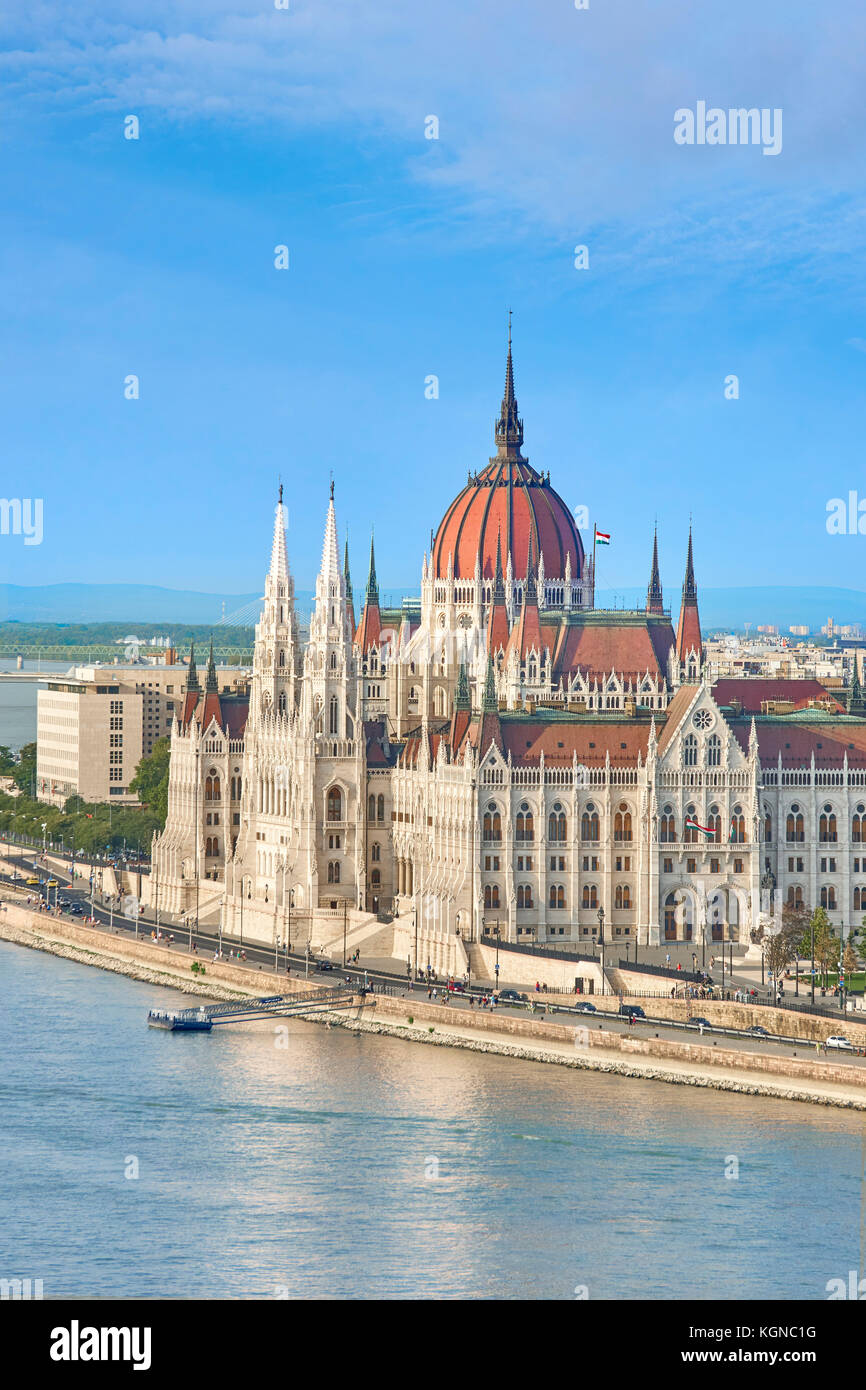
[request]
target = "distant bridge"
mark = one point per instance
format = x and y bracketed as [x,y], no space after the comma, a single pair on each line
[202,1020]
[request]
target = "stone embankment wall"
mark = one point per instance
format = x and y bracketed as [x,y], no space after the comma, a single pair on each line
[593,1037]
[588,1045]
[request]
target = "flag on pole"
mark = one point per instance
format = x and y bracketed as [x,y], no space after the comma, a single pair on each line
[601,538]
[693,824]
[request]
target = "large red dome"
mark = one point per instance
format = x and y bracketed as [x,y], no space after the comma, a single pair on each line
[507,503]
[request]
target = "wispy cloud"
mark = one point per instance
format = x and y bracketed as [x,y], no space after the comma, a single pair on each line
[555,123]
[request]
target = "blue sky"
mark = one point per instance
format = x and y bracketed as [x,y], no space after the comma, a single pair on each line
[262,127]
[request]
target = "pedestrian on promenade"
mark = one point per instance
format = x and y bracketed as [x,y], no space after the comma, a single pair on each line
[668,958]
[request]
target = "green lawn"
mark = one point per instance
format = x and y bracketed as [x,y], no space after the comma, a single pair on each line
[856,982]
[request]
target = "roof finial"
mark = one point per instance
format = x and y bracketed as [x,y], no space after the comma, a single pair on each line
[332,484]
[509,427]
[280,498]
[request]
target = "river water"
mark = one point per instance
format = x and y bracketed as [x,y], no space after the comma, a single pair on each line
[357,1166]
[18,700]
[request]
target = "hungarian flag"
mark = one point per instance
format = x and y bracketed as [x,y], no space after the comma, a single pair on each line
[692,824]
[601,538]
[88,815]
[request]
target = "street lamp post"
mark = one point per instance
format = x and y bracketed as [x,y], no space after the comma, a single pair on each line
[601,944]
[812,941]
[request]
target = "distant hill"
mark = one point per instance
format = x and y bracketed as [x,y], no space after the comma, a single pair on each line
[103,603]
[149,603]
[721,608]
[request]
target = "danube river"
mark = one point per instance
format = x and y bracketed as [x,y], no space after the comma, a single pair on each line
[358,1166]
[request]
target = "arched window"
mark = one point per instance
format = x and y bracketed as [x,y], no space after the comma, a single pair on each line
[690,834]
[858,825]
[690,751]
[671,917]
[859,899]
[371,807]
[768,827]
[376,851]
[375,878]
[794,827]
[795,896]
[668,826]
[525,824]
[333,659]
[714,823]
[380,807]
[714,751]
[334,871]
[556,825]
[335,804]
[212,786]
[827,826]
[491,895]
[282,658]
[440,701]
[589,823]
[556,896]
[590,895]
[622,823]
[738,826]
[622,896]
[828,896]
[492,830]
[281,702]
[524,895]
[333,716]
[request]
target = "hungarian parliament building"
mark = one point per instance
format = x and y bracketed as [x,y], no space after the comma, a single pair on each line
[504,757]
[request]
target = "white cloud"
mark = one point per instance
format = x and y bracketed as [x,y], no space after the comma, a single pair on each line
[555,122]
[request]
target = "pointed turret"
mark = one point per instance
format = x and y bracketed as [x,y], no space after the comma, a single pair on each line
[192,680]
[497,618]
[277,647]
[192,693]
[211,708]
[654,603]
[526,633]
[350,597]
[689,648]
[370,626]
[461,716]
[489,726]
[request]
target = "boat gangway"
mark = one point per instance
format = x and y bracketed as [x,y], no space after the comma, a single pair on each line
[202,1019]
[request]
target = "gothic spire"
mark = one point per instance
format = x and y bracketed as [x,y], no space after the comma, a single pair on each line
[508,431]
[654,601]
[192,680]
[211,679]
[347,576]
[462,696]
[372,581]
[690,589]
[531,585]
[490,703]
[499,580]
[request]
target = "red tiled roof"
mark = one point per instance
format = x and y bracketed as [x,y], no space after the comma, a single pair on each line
[796,741]
[526,739]
[751,692]
[594,648]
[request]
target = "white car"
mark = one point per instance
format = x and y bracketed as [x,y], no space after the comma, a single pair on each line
[839,1042]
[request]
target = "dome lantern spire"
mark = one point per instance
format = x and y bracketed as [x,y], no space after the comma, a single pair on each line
[508,431]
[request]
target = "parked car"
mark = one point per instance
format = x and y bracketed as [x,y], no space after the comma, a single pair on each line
[583,1006]
[699,1023]
[631,1011]
[322,965]
[510,996]
[32,882]
[756,1031]
[76,909]
[52,883]
[840,1043]
[457,987]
